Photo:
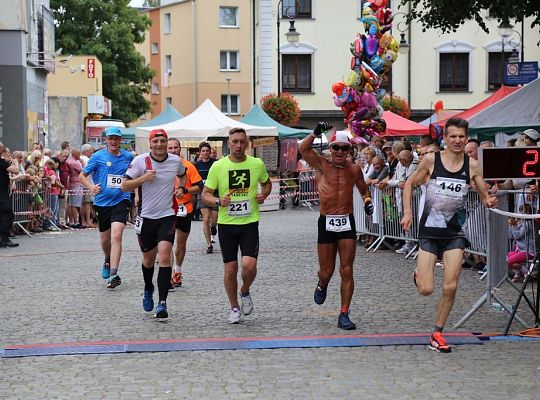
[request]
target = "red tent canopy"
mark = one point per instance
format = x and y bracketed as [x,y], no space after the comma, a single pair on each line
[501,93]
[399,126]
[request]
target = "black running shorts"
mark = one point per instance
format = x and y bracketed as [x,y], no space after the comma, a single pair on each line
[184,223]
[326,237]
[107,215]
[154,231]
[439,246]
[233,236]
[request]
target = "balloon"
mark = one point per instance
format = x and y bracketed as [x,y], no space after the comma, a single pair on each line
[355,80]
[384,42]
[376,4]
[438,106]
[394,45]
[357,48]
[355,64]
[389,57]
[380,94]
[371,44]
[377,63]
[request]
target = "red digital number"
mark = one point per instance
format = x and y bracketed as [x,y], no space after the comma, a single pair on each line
[532,162]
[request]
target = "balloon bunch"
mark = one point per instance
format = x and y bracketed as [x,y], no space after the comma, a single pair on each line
[373,53]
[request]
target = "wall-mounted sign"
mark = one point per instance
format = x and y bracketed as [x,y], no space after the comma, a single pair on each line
[91,68]
[520,73]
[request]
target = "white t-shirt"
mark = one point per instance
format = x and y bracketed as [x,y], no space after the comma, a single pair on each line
[156,196]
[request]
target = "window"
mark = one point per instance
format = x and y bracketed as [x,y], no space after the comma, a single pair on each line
[228,16]
[167,23]
[296,9]
[155,88]
[168,64]
[495,69]
[155,48]
[235,104]
[228,60]
[168,101]
[453,72]
[296,75]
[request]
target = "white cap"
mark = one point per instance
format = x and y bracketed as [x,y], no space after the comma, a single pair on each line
[340,137]
[532,134]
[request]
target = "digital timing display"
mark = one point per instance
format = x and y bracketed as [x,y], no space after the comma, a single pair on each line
[510,162]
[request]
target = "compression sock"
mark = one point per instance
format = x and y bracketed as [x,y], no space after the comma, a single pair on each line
[344,310]
[213,230]
[114,271]
[164,282]
[437,329]
[148,275]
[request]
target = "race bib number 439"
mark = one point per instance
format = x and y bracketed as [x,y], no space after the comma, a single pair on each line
[338,223]
[449,187]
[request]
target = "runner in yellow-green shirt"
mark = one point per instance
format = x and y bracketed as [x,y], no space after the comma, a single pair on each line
[237,178]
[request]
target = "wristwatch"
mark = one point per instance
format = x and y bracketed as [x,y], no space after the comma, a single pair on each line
[184,190]
[218,202]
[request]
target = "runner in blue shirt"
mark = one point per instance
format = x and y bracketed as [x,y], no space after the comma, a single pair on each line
[107,168]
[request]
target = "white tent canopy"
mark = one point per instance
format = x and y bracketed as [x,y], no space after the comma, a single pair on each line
[206,122]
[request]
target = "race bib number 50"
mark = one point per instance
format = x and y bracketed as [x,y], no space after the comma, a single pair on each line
[338,223]
[114,181]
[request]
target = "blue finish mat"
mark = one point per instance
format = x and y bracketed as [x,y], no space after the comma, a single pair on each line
[210,344]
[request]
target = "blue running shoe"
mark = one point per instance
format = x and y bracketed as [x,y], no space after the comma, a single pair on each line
[320,294]
[161,311]
[113,281]
[106,270]
[345,323]
[148,300]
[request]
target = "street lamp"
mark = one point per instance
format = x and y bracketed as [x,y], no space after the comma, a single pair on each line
[228,96]
[292,35]
[505,31]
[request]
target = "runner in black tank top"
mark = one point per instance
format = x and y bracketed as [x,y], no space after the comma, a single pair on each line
[441,230]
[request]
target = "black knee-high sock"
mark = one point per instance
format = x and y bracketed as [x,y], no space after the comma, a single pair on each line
[148,275]
[213,230]
[164,282]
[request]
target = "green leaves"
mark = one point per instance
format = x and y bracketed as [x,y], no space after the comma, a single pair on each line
[108,29]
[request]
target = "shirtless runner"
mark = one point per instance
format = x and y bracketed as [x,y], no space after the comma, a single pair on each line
[336,227]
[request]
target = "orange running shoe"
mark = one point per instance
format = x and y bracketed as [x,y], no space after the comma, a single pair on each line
[438,344]
[177,278]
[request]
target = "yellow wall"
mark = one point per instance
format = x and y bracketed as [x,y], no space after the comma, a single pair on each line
[71,77]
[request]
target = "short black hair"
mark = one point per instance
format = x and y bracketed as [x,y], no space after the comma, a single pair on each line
[458,123]
[205,144]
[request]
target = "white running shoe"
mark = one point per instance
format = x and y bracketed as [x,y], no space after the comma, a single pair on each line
[247,304]
[213,238]
[235,317]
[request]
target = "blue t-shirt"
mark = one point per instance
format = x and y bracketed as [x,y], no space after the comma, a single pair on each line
[108,170]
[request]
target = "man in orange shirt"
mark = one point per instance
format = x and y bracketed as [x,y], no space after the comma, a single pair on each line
[184,209]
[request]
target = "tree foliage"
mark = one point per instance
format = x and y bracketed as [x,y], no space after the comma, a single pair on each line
[152,3]
[109,30]
[448,16]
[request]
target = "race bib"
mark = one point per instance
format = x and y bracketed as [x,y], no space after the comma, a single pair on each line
[338,223]
[114,181]
[239,208]
[449,187]
[138,224]
[182,210]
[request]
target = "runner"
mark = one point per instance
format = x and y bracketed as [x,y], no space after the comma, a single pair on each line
[108,167]
[336,227]
[209,213]
[442,224]
[153,174]
[237,178]
[184,208]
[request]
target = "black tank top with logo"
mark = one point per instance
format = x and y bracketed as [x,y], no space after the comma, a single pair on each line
[445,213]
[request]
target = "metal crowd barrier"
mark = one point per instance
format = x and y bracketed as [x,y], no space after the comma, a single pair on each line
[388,211]
[308,192]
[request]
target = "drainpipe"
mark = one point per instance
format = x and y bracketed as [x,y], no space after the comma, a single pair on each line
[409,58]
[194,56]
[254,48]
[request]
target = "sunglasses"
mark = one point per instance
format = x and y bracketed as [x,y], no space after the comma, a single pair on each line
[337,147]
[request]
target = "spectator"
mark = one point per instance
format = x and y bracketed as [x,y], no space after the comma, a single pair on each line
[75,188]
[521,232]
[7,166]
[87,208]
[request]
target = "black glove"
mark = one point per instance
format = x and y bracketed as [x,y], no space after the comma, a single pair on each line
[368,207]
[321,127]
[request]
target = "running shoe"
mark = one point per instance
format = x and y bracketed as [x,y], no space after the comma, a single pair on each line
[177,278]
[235,317]
[113,281]
[438,344]
[247,303]
[213,238]
[172,288]
[105,270]
[344,322]
[161,311]
[148,300]
[320,294]
[210,249]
